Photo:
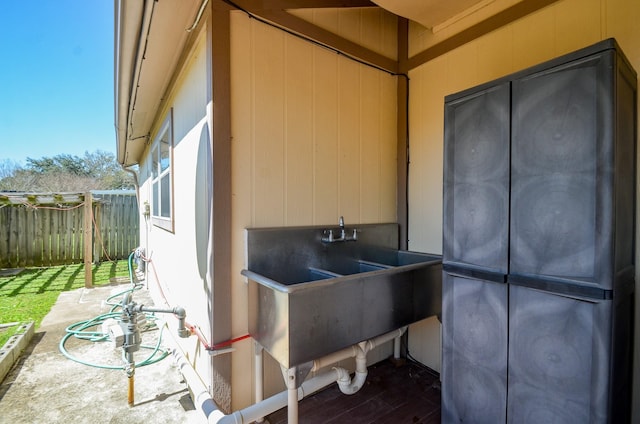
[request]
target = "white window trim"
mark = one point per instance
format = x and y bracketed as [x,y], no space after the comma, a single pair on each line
[166,223]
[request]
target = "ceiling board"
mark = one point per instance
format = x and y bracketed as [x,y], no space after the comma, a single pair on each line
[431,13]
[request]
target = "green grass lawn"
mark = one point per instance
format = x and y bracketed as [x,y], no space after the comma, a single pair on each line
[30,295]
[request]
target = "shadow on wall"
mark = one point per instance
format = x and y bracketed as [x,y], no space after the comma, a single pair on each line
[202,202]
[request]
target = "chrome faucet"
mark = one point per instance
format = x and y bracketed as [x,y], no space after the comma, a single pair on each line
[330,238]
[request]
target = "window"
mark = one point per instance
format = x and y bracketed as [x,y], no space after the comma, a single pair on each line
[161,176]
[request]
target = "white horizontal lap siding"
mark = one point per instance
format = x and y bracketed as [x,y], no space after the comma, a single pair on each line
[180,257]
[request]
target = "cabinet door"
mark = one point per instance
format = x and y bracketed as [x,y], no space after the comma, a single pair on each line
[474,350]
[476,179]
[562,172]
[559,358]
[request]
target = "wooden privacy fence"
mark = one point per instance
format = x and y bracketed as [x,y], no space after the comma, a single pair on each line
[61,229]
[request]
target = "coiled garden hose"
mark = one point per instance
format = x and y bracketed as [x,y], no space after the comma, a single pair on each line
[83,330]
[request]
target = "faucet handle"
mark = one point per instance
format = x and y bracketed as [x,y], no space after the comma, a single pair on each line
[341,222]
[328,236]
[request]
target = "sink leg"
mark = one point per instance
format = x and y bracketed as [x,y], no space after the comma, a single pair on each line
[292,406]
[291,377]
[396,348]
[259,376]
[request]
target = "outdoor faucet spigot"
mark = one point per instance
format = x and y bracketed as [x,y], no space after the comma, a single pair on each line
[183,331]
[328,236]
[179,313]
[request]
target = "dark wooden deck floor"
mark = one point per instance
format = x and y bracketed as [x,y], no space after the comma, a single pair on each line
[392,394]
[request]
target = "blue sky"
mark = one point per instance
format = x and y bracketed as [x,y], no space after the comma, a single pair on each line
[56,78]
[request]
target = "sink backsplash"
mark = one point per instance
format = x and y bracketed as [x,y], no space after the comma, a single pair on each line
[299,248]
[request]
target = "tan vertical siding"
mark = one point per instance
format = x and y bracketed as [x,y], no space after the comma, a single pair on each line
[267,80]
[373,28]
[349,157]
[298,102]
[314,137]
[325,137]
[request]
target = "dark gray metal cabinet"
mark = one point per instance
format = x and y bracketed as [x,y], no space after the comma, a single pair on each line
[476,215]
[476,179]
[474,367]
[538,243]
[561,349]
[572,171]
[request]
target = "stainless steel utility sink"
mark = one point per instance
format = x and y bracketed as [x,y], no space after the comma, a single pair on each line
[308,298]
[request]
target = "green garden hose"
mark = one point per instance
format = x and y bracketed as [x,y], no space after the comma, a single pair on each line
[82,330]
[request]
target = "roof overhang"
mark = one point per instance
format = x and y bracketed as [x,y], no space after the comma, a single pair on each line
[148,39]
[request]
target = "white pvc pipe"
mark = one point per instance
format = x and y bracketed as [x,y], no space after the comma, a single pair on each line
[349,385]
[277,401]
[377,341]
[202,399]
[206,404]
[332,358]
[292,406]
[396,348]
[259,376]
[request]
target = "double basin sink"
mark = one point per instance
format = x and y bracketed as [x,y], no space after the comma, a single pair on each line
[309,298]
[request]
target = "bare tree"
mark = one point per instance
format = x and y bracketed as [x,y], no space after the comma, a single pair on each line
[8,167]
[65,173]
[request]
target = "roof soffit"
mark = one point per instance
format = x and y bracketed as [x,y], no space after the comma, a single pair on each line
[158,52]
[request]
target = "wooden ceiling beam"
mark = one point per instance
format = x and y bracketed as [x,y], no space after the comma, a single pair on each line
[492,23]
[300,26]
[288,22]
[256,5]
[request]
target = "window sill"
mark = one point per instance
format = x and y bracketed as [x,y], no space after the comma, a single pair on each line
[164,223]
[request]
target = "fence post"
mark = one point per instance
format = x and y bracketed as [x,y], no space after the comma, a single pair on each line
[88,240]
[97,234]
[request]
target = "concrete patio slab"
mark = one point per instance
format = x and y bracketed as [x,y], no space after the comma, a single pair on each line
[45,386]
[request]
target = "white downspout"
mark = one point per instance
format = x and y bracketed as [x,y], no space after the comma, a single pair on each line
[262,408]
[199,392]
